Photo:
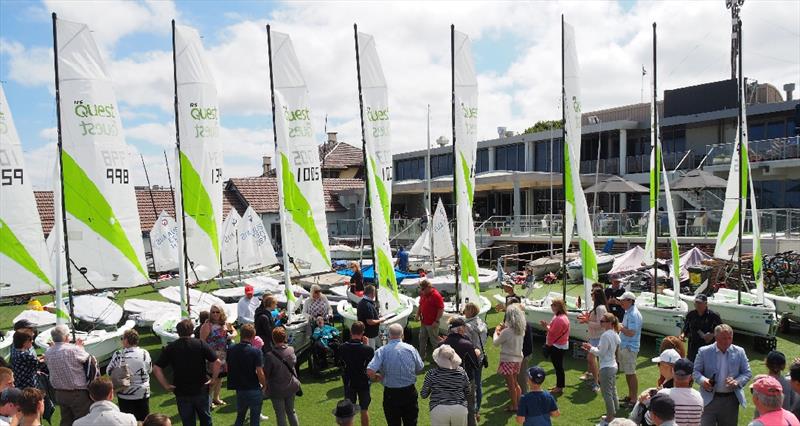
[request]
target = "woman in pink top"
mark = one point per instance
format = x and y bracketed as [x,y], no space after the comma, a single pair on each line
[558,340]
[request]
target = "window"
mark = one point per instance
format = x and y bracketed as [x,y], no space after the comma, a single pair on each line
[510,157]
[410,168]
[441,165]
[541,156]
[769,194]
[792,194]
[755,131]
[482,161]
[775,129]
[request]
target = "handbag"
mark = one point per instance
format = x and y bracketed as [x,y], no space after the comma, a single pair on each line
[485,361]
[291,370]
[121,374]
[547,350]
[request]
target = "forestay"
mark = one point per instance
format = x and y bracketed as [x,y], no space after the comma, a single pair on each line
[102,216]
[24,263]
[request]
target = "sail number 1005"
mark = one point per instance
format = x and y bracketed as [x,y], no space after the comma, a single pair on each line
[308,174]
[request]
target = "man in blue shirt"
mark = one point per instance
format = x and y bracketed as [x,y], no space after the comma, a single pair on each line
[246,376]
[396,365]
[402,259]
[630,336]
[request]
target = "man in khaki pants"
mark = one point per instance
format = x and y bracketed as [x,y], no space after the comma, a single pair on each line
[431,308]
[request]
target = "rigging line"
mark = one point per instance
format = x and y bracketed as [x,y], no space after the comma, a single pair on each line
[689,53]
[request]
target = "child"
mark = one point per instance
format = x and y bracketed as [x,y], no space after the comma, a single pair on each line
[537,406]
[776,363]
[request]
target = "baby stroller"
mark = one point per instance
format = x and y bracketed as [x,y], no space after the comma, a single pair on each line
[325,343]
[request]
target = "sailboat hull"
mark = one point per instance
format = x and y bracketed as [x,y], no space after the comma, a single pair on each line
[749,317]
[450,311]
[100,343]
[575,270]
[349,314]
[664,320]
[539,310]
[785,307]
[5,344]
[447,283]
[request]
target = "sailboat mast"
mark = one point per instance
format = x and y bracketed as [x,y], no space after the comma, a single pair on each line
[284,248]
[564,171]
[429,201]
[179,213]
[742,183]
[367,177]
[169,176]
[455,153]
[656,173]
[63,194]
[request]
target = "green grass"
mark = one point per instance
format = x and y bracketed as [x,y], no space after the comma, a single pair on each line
[578,405]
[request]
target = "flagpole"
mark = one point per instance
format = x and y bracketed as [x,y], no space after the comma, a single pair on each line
[563,171]
[455,155]
[428,190]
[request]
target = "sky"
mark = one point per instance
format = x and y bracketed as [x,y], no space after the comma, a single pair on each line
[516,47]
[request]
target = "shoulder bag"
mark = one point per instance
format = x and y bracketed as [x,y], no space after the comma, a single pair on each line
[291,370]
[547,350]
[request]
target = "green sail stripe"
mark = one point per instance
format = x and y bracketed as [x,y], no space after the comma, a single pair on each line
[745,172]
[589,261]
[60,313]
[382,194]
[299,208]
[655,185]
[676,258]
[12,247]
[386,274]
[87,204]
[732,225]
[569,191]
[197,203]
[289,294]
[469,269]
[467,179]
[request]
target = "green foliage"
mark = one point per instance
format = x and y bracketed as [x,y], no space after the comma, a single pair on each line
[544,125]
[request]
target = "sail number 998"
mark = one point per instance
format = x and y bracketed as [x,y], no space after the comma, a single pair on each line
[8,176]
[118,176]
[308,174]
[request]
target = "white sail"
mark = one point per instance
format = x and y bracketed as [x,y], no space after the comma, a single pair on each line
[230,242]
[255,246]
[747,179]
[728,234]
[200,154]
[655,167]
[299,176]
[56,255]
[464,147]
[102,216]
[673,239]
[24,264]
[164,243]
[442,240]
[378,145]
[576,208]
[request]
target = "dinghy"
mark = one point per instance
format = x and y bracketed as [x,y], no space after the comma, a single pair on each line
[539,310]
[446,284]
[544,265]
[100,343]
[785,307]
[605,262]
[751,316]
[437,232]
[200,300]
[145,311]
[6,341]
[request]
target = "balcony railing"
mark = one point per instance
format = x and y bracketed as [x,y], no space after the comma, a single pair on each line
[762,150]
[607,166]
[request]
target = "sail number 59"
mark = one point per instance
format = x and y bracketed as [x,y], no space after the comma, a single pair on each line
[8,176]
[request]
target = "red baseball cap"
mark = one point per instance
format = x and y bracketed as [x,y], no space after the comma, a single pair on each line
[767,385]
[248,290]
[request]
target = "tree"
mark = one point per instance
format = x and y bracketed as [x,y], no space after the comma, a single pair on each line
[544,125]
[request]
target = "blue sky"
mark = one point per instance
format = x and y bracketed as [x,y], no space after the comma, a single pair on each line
[516,47]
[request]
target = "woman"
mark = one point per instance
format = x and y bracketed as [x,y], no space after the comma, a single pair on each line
[558,341]
[606,352]
[156,419]
[447,385]
[31,407]
[317,305]
[477,335]
[282,381]
[593,318]
[217,332]
[671,342]
[24,364]
[509,336]
[135,399]
[357,280]
[265,321]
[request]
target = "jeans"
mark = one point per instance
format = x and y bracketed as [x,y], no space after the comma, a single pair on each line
[194,407]
[284,411]
[522,376]
[557,356]
[608,386]
[400,406]
[248,400]
[478,389]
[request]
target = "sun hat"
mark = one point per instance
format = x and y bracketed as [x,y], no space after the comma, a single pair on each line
[628,296]
[345,409]
[767,385]
[670,356]
[23,323]
[446,357]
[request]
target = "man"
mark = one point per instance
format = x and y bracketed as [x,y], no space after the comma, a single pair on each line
[402,260]
[613,295]
[246,308]
[630,336]
[65,361]
[662,410]
[188,358]
[794,381]
[688,402]
[699,326]
[768,399]
[6,378]
[356,355]
[367,312]
[134,399]
[9,405]
[103,411]
[345,413]
[721,369]
[431,309]
[246,376]
[458,340]
[396,365]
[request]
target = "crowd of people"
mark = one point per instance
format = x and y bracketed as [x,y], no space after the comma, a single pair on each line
[704,385]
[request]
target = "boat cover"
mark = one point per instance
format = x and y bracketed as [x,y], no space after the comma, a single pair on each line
[693,257]
[95,309]
[368,272]
[629,261]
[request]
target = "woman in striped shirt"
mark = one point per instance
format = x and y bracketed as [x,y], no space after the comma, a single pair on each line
[447,385]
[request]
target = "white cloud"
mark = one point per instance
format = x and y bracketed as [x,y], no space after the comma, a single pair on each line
[28,66]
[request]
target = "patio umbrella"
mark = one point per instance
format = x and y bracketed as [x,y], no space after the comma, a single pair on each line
[698,179]
[616,185]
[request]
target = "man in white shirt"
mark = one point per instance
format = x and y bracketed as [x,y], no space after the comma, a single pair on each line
[246,308]
[103,411]
[9,405]
[688,401]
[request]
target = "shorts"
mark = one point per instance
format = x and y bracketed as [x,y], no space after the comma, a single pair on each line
[594,342]
[508,368]
[627,361]
[358,396]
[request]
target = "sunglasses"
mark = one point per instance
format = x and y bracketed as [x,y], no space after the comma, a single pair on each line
[214,312]
[605,321]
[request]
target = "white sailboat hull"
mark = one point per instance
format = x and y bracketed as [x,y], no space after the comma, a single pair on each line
[5,344]
[785,307]
[664,320]
[41,320]
[100,343]
[604,264]
[447,283]
[348,312]
[146,312]
[749,317]
[538,310]
[451,311]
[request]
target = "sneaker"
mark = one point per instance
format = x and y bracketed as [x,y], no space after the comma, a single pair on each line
[595,388]
[264,418]
[587,376]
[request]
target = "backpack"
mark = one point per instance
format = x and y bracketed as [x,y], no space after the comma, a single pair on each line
[121,375]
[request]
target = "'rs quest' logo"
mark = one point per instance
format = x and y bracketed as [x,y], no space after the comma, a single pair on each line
[206,121]
[379,122]
[303,126]
[576,105]
[3,125]
[470,119]
[96,119]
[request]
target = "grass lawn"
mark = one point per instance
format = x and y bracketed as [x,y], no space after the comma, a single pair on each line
[578,405]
